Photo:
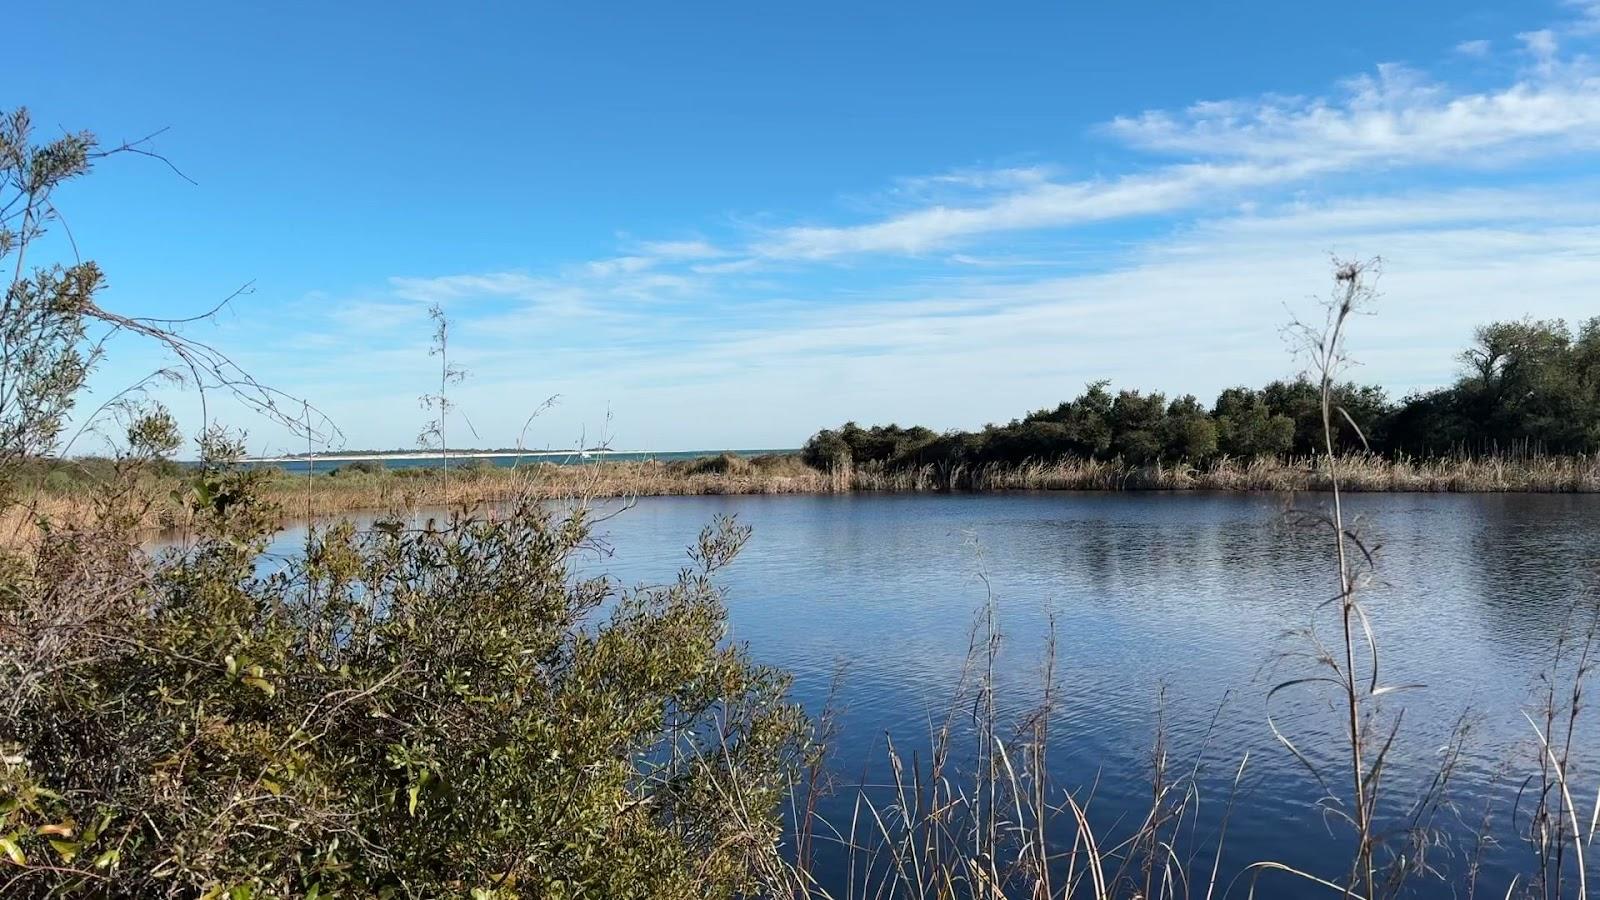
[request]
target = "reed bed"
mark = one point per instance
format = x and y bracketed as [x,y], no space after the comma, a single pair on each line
[788,475]
[1359,472]
[152,504]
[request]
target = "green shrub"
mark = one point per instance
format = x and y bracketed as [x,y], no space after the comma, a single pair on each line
[782,464]
[408,713]
[826,450]
[361,467]
[721,464]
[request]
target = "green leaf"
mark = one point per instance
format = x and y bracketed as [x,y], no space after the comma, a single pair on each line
[93,832]
[68,850]
[411,805]
[107,859]
[13,852]
[260,684]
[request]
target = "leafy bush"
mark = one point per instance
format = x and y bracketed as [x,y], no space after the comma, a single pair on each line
[826,450]
[721,464]
[407,713]
[361,467]
[418,472]
[782,464]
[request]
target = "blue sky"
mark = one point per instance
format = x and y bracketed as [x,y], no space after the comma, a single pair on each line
[727,225]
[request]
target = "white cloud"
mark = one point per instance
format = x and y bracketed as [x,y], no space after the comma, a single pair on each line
[612,287]
[456,287]
[979,179]
[1393,118]
[675,250]
[621,265]
[1044,206]
[1542,46]
[1586,20]
[1396,118]
[1477,49]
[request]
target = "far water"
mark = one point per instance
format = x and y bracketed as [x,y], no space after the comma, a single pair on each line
[424,460]
[1179,606]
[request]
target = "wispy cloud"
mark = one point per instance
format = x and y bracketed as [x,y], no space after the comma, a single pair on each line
[1393,118]
[1586,18]
[1396,117]
[1044,206]
[677,250]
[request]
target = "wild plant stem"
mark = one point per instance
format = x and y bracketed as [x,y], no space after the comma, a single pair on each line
[1329,360]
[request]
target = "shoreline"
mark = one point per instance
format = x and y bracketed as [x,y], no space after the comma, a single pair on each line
[599,455]
[155,501]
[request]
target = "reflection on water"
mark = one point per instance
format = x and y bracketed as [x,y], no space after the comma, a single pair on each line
[1193,592]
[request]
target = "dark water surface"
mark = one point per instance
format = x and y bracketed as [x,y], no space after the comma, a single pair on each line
[1192,594]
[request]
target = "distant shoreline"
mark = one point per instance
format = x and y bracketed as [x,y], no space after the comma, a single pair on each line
[424,455]
[335,491]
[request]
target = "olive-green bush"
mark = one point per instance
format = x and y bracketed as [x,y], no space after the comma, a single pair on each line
[431,711]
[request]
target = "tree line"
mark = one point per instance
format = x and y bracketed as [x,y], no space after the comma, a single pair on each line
[1526,387]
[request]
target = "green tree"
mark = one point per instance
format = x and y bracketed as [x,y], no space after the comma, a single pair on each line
[1247,428]
[1087,419]
[1300,400]
[47,308]
[1526,386]
[1137,423]
[1187,432]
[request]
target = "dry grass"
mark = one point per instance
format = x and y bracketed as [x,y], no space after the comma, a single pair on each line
[301,496]
[1360,472]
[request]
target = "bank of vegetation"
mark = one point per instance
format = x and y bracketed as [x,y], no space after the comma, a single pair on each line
[66,490]
[1524,411]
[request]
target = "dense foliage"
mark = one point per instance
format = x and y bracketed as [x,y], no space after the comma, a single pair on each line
[411,712]
[1527,387]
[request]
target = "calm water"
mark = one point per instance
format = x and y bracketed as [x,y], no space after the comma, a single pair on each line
[1193,594]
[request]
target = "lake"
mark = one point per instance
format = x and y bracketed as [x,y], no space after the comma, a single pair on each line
[1189,596]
